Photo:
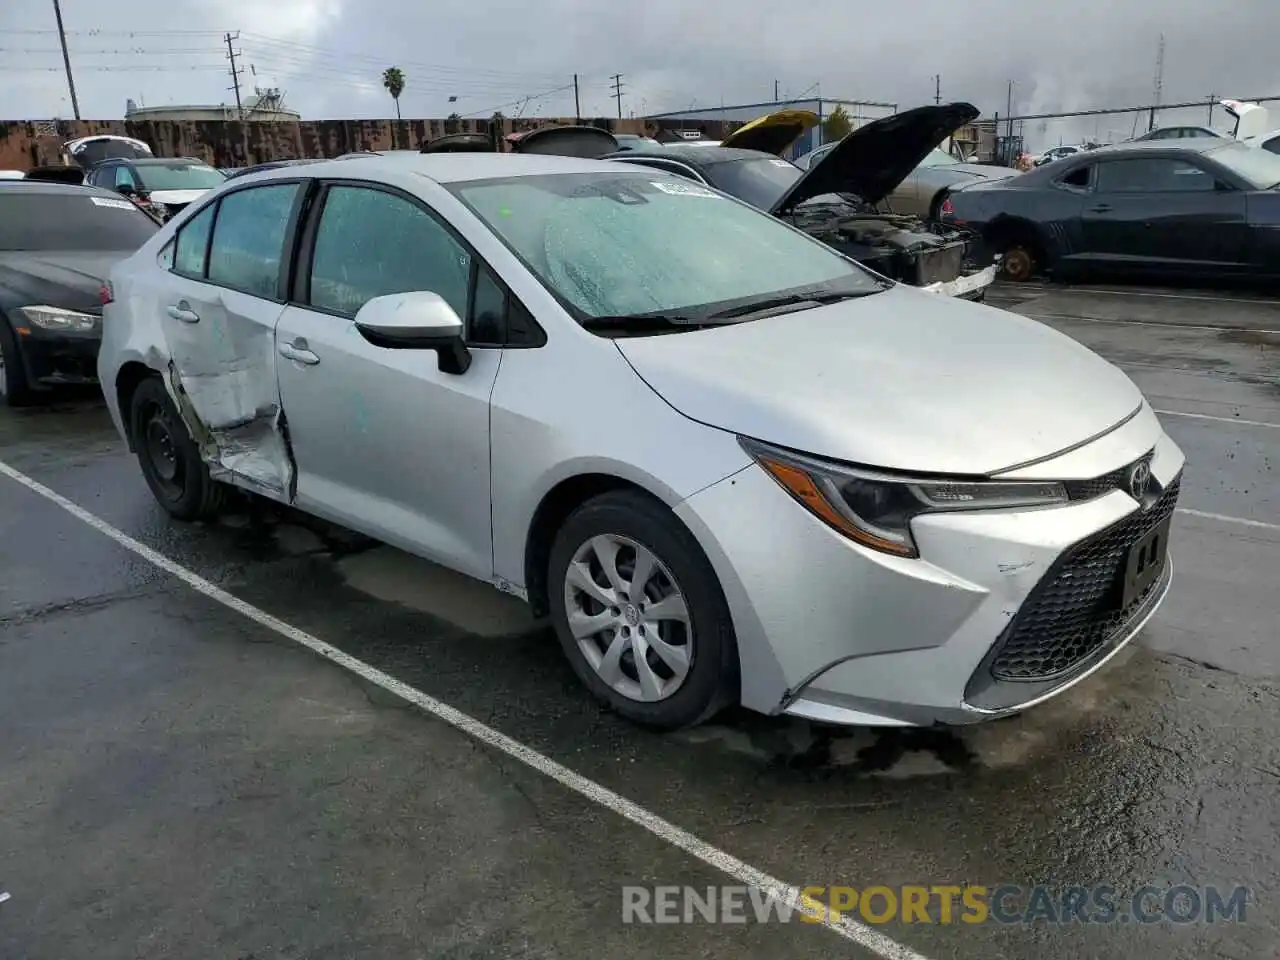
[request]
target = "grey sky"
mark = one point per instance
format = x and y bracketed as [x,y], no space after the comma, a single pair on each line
[328,54]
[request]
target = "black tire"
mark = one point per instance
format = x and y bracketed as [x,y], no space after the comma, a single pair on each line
[15,391]
[180,482]
[712,680]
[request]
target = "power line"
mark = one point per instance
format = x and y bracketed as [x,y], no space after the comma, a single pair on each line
[232,53]
[617,92]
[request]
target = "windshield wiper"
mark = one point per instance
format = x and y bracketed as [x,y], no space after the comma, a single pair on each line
[644,322]
[793,299]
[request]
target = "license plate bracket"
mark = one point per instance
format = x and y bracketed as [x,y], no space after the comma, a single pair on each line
[1145,562]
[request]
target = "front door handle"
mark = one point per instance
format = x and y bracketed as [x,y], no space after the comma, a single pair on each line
[298,351]
[182,311]
[1100,208]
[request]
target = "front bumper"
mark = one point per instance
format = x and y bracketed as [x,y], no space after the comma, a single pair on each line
[972,286]
[59,357]
[835,632]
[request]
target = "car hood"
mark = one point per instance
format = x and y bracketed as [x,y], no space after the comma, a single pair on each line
[573,141]
[872,160]
[773,132]
[176,198]
[902,380]
[71,279]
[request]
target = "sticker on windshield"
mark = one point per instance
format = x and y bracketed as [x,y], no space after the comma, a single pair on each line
[109,202]
[780,163]
[684,189]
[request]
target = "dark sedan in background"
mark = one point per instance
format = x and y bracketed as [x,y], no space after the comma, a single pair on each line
[1200,207]
[58,244]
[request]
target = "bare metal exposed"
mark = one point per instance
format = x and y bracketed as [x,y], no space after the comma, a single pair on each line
[731,464]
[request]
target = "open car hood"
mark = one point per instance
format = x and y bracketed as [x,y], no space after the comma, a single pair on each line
[872,160]
[773,132]
[460,143]
[1252,119]
[576,141]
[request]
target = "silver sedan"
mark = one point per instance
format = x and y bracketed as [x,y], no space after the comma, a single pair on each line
[732,465]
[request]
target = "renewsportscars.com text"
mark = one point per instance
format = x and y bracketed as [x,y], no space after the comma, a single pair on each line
[937,904]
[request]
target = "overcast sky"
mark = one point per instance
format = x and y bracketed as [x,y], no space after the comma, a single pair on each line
[327,55]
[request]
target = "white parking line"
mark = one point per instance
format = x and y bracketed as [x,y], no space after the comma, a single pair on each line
[1148,323]
[1165,296]
[1205,416]
[1223,518]
[850,929]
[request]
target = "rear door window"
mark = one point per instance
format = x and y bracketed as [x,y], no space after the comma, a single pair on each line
[193,244]
[1157,175]
[248,239]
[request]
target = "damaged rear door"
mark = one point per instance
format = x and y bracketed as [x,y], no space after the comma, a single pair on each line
[219,312]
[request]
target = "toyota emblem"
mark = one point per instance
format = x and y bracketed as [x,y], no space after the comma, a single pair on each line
[1139,480]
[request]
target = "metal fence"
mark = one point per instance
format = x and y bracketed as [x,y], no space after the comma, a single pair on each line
[1006,136]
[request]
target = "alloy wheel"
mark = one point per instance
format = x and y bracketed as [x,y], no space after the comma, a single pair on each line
[629,618]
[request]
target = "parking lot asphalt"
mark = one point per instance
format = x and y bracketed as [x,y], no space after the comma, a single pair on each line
[177,779]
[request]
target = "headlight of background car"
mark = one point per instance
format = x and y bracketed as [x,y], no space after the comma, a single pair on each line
[876,509]
[56,318]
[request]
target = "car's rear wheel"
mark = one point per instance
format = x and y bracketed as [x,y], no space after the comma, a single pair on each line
[640,613]
[15,391]
[169,458]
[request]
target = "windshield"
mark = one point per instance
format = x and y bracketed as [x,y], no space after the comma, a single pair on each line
[760,182]
[52,221]
[938,158]
[621,244]
[1258,167]
[178,176]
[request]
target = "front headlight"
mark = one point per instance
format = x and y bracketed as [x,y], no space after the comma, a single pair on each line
[56,318]
[876,509]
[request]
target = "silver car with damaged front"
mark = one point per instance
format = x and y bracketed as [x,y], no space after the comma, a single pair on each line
[731,464]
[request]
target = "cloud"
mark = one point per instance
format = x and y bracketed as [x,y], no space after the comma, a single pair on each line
[328,55]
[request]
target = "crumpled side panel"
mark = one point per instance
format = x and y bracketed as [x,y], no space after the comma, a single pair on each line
[222,377]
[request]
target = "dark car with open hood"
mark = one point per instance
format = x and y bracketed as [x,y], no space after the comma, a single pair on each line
[838,199]
[58,243]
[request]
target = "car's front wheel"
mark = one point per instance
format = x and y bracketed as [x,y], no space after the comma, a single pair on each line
[169,458]
[640,613]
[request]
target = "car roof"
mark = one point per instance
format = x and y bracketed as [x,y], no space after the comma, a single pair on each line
[1188,144]
[155,161]
[447,167]
[696,156]
[53,187]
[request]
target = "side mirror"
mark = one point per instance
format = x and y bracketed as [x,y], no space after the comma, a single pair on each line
[416,321]
[1223,187]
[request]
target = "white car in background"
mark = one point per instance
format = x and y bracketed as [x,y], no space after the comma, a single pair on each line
[731,464]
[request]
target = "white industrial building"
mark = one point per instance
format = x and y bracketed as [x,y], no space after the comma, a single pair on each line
[859,111]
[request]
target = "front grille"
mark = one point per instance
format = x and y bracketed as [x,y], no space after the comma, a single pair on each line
[1115,480]
[1076,608]
[939,264]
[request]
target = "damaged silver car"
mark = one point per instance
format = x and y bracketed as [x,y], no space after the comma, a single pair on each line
[731,465]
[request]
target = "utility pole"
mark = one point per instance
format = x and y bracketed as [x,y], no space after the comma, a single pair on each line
[232,53]
[1213,100]
[775,91]
[577,107]
[1009,113]
[1159,83]
[66,59]
[617,92]
[937,88]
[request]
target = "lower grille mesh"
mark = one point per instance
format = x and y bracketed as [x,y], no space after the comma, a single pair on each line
[1076,608]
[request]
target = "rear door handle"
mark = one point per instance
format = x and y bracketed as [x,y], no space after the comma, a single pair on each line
[1100,208]
[182,311]
[298,351]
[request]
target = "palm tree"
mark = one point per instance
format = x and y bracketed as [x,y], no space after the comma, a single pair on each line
[393,80]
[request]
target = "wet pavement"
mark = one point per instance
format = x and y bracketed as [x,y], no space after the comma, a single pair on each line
[176,780]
